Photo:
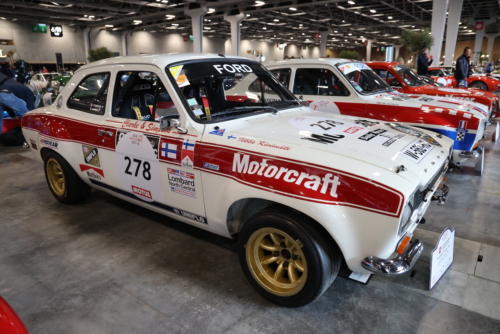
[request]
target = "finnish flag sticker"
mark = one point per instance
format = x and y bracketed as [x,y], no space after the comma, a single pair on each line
[169,150]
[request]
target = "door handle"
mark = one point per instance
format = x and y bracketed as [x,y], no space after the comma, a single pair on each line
[102,132]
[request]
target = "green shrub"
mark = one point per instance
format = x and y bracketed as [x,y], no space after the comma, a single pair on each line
[350,55]
[99,53]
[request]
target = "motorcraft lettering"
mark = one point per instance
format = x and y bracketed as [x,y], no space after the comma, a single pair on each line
[326,184]
[181,182]
[233,68]
[49,143]
[416,150]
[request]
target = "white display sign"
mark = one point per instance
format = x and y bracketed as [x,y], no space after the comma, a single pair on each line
[442,256]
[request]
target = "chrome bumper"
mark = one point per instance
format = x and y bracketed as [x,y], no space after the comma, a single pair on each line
[471,154]
[397,265]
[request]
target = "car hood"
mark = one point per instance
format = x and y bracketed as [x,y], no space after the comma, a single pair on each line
[444,105]
[360,146]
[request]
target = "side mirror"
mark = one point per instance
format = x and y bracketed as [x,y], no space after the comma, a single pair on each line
[304,103]
[171,121]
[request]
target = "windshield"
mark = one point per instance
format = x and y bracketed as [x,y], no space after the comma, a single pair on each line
[411,78]
[362,78]
[447,71]
[224,89]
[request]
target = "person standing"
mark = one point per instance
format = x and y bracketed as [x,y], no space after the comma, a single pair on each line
[423,62]
[45,70]
[462,68]
[19,66]
[489,67]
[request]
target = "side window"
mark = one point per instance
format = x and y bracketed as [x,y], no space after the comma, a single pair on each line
[387,76]
[283,76]
[435,73]
[91,93]
[316,81]
[141,95]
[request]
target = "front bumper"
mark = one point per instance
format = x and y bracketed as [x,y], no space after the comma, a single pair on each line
[397,265]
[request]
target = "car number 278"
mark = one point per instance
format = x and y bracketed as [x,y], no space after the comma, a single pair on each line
[146,168]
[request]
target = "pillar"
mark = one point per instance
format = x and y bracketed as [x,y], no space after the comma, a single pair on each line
[369,49]
[452,32]
[439,8]
[235,21]
[125,36]
[477,45]
[396,52]
[322,43]
[491,41]
[196,15]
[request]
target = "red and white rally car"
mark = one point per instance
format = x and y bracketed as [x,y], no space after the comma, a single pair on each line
[476,80]
[404,80]
[351,88]
[302,189]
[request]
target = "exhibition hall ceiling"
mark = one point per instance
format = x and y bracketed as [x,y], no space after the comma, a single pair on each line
[348,22]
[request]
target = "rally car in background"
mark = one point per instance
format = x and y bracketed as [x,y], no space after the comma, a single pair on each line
[404,80]
[476,80]
[444,76]
[351,88]
[41,80]
[303,190]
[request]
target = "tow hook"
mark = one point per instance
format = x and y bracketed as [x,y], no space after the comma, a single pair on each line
[442,197]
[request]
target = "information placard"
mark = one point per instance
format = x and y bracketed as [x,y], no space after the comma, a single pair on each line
[442,256]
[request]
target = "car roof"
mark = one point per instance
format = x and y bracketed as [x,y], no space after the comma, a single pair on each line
[384,63]
[302,61]
[159,60]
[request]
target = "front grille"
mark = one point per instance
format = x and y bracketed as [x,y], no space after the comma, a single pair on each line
[420,194]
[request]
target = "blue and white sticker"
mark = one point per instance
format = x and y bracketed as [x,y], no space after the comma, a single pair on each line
[219,132]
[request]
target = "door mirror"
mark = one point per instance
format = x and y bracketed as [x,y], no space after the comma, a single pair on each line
[304,103]
[171,121]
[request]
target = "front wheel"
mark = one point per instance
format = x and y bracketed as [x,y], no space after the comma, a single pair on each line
[478,85]
[66,186]
[286,259]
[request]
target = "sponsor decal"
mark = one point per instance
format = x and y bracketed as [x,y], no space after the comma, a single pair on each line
[190,215]
[33,144]
[169,150]
[96,107]
[324,139]
[280,147]
[246,140]
[49,143]
[461,131]
[414,132]
[380,136]
[325,105]
[233,68]
[142,87]
[325,184]
[426,99]
[416,150]
[231,137]
[91,171]
[136,138]
[463,98]
[142,192]
[353,129]
[366,123]
[187,155]
[181,182]
[91,155]
[323,126]
[219,132]
[210,166]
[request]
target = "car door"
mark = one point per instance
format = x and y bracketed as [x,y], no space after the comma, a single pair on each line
[152,166]
[326,91]
[83,118]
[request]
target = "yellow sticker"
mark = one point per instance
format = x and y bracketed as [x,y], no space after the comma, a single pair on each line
[138,113]
[175,71]
[207,112]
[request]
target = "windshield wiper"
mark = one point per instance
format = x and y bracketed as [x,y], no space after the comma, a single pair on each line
[284,102]
[242,109]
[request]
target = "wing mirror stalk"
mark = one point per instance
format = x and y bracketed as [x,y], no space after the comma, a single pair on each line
[168,122]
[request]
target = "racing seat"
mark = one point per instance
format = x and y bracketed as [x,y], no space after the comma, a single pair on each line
[137,99]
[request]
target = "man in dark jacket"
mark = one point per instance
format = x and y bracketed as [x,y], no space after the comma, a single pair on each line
[462,68]
[423,62]
[15,98]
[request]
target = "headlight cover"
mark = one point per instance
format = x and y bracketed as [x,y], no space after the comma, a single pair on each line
[407,214]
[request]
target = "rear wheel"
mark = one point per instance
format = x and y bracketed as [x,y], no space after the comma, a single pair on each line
[478,85]
[286,259]
[66,186]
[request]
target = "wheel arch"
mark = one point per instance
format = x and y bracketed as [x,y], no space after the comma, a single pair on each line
[243,209]
[479,81]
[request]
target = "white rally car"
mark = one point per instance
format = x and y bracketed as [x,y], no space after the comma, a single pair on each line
[301,189]
[348,87]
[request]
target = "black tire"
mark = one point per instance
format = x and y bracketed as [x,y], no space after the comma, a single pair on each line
[478,85]
[321,265]
[66,186]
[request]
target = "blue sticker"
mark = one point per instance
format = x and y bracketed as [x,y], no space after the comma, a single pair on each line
[231,137]
[219,132]
[210,166]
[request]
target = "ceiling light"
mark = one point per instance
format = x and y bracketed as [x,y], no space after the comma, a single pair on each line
[300,25]
[3,18]
[259,3]
[350,34]
[343,21]
[373,11]
[291,37]
[175,24]
[169,16]
[335,31]
[207,28]
[345,40]
[211,10]
[303,34]
[389,17]
[350,2]
[413,26]
[85,15]
[164,1]
[293,8]
[276,20]
[137,22]
[109,25]
[264,28]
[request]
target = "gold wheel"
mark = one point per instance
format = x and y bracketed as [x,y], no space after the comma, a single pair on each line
[276,261]
[55,176]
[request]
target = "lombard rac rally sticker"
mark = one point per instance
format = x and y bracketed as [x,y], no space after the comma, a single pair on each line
[138,167]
